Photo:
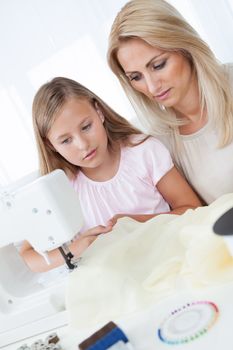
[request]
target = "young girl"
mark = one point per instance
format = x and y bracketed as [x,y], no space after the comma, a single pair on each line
[115,169]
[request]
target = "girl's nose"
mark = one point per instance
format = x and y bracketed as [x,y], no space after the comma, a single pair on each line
[81,143]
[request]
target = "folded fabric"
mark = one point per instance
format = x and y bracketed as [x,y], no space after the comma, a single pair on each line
[137,264]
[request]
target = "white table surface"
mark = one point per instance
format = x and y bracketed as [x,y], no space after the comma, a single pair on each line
[141,327]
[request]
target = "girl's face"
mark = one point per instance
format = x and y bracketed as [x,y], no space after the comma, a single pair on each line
[163,76]
[78,134]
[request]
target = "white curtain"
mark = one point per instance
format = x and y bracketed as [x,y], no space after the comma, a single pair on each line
[41,39]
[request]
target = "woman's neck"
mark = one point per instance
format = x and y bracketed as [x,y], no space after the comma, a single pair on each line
[193,126]
[190,111]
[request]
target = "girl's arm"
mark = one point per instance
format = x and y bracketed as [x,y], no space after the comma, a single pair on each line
[177,193]
[37,263]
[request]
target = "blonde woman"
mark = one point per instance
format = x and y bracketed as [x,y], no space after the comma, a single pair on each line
[178,89]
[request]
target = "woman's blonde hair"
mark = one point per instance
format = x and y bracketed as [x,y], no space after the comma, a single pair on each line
[47,103]
[162,26]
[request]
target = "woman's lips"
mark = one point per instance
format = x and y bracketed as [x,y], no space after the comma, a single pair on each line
[163,95]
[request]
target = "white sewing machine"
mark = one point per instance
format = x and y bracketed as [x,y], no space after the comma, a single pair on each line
[46,212]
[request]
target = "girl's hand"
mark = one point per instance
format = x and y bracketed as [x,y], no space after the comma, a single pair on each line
[81,244]
[98,230]
[88,237]
[37,263]
[114,219]
[136,217]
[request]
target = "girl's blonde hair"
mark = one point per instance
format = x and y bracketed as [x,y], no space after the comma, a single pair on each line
[47,103]
[162,26]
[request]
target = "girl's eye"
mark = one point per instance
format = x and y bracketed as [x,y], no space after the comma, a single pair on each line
[86,127]
[159,66]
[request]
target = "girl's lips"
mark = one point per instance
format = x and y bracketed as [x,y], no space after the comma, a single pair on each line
[163,95]
[91,154]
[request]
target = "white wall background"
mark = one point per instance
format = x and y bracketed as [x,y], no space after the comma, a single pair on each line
[41,39]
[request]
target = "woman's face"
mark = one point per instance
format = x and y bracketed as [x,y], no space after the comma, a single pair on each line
[163,76]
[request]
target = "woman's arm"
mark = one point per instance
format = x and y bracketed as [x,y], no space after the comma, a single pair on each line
[37,263]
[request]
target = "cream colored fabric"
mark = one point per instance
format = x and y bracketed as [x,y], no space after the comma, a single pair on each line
[138,264]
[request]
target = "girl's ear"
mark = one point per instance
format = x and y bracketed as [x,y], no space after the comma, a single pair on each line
[100,113]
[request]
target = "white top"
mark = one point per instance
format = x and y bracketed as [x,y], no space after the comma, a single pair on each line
[132,190]
[208,168]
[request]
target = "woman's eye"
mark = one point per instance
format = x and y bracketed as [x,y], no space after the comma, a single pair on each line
[66,141]
[135,77]
[159,66]
[86,127]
